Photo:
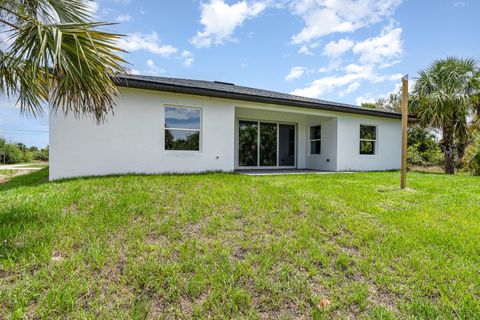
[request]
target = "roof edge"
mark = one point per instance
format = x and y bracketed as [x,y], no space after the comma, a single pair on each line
[157,86]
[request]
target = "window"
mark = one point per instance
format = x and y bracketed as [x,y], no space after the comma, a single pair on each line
[315,139]
[368,139]
[182,129]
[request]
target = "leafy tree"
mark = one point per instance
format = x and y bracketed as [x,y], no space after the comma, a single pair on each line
[41,155]
[472,154]
[392,103]
[248,148]
[27,156]
[369,105]
[423,148]
[11,154]
[443,99]
[190,142]
[21,146]
[56,54]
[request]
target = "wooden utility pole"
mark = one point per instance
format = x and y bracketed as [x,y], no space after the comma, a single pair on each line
[404,102]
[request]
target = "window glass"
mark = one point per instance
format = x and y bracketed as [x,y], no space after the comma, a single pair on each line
[248,143]
[315,132]
[182,140]
[367,147]
[182,118]
[368,137]
[315,147]
[315,139]
[268,144]
[368,132]
[182,129]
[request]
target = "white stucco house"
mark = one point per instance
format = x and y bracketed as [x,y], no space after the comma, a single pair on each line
[167,125]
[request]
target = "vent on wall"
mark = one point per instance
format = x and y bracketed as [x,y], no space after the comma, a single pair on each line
[225,83]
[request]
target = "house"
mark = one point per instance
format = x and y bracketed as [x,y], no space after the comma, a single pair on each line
[171,125]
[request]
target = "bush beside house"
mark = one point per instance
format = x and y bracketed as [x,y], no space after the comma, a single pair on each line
[11,153]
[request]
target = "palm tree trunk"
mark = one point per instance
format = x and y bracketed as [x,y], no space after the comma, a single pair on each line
[462,146]
[449,149]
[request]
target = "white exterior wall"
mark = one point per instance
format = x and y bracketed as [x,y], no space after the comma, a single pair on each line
[327,159]
[388,147]
[132,141]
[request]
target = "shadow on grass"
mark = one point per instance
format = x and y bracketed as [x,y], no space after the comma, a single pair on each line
[32,179]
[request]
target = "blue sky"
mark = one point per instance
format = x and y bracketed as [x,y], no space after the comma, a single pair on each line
[342,50]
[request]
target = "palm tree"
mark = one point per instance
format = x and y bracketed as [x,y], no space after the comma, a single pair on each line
[53,52]
[444,99]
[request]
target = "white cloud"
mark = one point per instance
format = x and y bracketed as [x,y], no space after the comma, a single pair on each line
[124,18]
[187,58]
[153,69]
[335,49]
[325,85]
[350,89]
[147,42]
[152,44]
[133,71]
[364,99]
[295,73]
[220,20]
[381,49]
[92,7]
[324,17]
[306,49]
[150,63]
[373,54]
[354,75]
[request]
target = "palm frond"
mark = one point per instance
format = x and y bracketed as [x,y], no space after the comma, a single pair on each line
[445,91]
[70,62]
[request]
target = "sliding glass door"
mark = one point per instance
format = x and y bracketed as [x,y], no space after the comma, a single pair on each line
[286,145]
[248,144]
[266,144]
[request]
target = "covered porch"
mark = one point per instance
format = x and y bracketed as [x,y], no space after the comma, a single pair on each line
[284,141]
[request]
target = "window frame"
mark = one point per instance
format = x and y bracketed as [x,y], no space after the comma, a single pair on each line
[375,141]
[182,129]
[310,140]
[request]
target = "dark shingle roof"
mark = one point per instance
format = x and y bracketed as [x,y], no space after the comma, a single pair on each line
[230,91]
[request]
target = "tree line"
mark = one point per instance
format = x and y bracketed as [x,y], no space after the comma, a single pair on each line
[445,101]
[11,153]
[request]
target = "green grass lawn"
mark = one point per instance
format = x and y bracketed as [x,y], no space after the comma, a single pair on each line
[233,246]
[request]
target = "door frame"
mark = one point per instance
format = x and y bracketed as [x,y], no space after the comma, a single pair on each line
[295,125]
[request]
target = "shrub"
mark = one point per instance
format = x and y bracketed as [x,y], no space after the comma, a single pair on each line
[423,148]
[414,156]
[41,155]
[11,154]
[27,156]
[472,155]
